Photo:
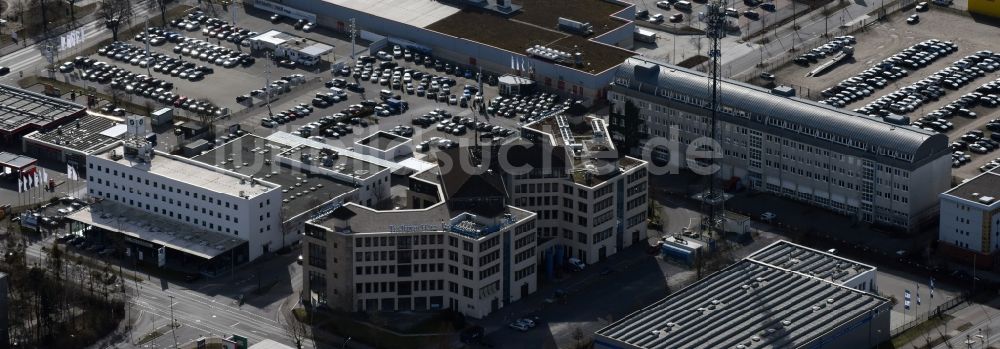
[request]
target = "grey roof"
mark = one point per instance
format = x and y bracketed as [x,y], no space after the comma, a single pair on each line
[646,75]
[16,160]
[257,157]
[745,300]
[786,255]
[87,134]
[986,184]
[22,110]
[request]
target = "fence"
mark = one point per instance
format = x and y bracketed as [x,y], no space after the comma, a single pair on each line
[937,311]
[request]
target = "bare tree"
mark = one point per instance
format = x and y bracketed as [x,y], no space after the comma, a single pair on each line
[115,14]
[19,7]
[160,5]
[294,329]
[43,8]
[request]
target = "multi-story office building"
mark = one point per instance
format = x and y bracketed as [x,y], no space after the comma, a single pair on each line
[970,221]
[206,201]
[856,165]
[590,203]
[457,245]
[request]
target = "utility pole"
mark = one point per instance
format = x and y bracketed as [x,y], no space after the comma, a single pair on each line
[267,84]
[354,33]
[145,38]
[172,323]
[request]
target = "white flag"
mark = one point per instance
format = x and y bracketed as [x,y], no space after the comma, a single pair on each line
[71,173]
[31,181]
[512,65]
[20,184]
[45,176]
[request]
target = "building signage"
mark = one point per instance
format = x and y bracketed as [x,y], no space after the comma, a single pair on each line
[409,228]
[139,242]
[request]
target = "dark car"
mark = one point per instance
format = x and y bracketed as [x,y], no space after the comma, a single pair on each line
[4,71]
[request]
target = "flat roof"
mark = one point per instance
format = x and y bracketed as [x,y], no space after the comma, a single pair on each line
[418,13]
[588,145]
[251,155]
[343,165]
[86,134]
[192,172]
[410,163]
[537,24]
[383,140]
[144,225]
[435,218]
[820,264]
[747,303]
[15,160]
[21,109]
[985,184]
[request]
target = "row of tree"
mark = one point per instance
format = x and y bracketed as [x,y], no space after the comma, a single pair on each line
[58,303]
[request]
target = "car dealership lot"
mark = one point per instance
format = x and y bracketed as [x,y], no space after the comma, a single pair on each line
[894,36]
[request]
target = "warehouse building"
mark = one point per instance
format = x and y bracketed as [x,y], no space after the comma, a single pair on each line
[457,245]
[23,111]
[784,296]
[970,221]
[852,164]
[591,204]
[567,46]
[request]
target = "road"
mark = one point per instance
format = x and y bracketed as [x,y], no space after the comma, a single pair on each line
[30,59]
[812,27]
[210,309]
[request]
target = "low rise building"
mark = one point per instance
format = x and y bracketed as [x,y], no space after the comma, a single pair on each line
[73,141]
[283,45]
[23,111]
[784,296]
[970,221]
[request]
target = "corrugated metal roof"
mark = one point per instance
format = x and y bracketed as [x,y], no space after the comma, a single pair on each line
[638,71]
[747,303]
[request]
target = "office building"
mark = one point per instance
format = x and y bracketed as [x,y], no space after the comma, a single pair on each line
[457,244]
[590,202]
[784,296]
[859,166]
[73,141]
[970,221]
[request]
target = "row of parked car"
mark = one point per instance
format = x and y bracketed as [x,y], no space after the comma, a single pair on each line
[299,111]
[528,108]
[892,68]
[218,29]
[829,48]
[212,53]
[141,85]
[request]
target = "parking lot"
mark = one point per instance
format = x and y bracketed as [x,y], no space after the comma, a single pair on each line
[935,93]
[748,17]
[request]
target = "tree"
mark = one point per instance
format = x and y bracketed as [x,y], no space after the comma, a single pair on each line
[294,329]
[115,14]
[43,8]
[160,5]
[19,7]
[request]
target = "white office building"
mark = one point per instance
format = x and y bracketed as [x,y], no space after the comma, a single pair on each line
[457,246]
[199,210]
[970,221]
[590,203]
[859,166]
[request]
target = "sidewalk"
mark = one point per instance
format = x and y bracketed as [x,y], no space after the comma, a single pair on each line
[966,321]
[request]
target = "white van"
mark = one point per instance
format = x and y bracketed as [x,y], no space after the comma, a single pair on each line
[576,263]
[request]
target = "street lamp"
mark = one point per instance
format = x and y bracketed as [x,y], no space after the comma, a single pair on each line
[345,343]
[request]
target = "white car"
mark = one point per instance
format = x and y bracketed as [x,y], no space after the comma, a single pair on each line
[657,18]
[577,264]
[663,4]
